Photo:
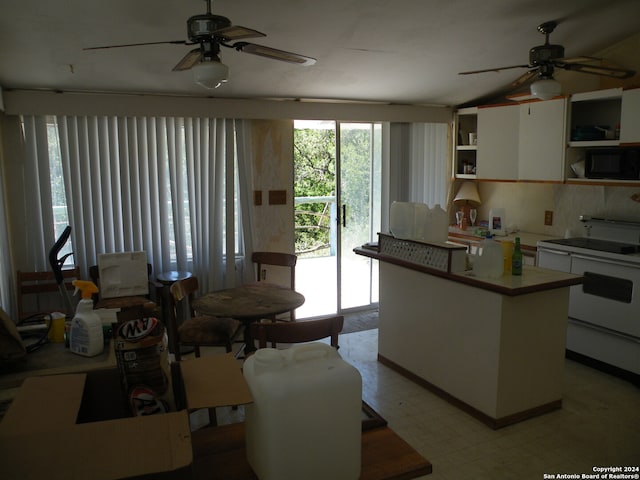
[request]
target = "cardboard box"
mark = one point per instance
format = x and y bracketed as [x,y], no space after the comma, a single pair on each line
[72,426]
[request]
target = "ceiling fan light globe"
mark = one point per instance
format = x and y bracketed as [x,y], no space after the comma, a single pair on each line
[210,74]
[546,88]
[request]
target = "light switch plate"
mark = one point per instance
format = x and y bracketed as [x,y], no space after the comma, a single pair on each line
[548,217]
[277,197]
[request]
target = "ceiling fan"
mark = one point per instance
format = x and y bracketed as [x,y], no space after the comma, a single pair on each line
[209,32]
[543,59]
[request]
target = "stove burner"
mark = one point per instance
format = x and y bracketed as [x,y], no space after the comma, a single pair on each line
[595,244]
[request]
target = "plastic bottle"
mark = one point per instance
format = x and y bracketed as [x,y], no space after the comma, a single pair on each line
[421,222]
[402,219]
[493,258]
[86,337]
[516,259]
[438,225]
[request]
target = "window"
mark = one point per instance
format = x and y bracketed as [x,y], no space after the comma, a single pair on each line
[58,200]
[168,186]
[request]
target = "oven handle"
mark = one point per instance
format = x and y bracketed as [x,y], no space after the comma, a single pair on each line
[602,260]
[555,252]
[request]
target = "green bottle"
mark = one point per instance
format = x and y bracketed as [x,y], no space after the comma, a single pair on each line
[516,259]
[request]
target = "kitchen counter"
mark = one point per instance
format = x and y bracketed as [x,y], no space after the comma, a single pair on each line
[528,241]
[533,279]
[493,347]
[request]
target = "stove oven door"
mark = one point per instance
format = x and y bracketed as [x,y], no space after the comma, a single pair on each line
[609,296]
[554,259]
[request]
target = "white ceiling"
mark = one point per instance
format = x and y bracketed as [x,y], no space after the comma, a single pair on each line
[397,51]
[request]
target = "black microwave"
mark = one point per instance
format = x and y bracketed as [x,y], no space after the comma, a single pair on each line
[617,163]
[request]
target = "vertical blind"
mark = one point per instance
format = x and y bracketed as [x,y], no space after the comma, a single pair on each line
[429,179]
[163,185]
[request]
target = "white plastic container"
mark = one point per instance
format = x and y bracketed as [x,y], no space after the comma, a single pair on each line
[306,418]
[438,229]
[421,221]
[86,337]
[497,221]
[491,263]
[402,220]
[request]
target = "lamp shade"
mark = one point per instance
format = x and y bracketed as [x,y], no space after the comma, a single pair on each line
[546,88]
[468,192]
[210,73]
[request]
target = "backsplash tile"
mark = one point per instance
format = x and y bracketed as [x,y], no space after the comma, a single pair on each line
[525,204]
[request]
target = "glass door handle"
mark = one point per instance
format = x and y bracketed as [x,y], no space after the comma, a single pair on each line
[344,214]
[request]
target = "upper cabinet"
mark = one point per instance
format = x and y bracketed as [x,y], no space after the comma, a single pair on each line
[498,142]
[528,140]
[541,140]
[594,118]
[465,143]
[630,116]
[603,119]
[519,141]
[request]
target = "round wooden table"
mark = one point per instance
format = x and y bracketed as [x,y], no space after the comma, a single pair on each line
[249,303]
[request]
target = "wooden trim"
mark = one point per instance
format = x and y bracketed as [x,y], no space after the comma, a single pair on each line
[603,183]
[497,180]
[494,423]
[512,103]
[558,182]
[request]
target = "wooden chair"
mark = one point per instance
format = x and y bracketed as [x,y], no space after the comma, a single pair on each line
[123,303]
[277,259]
[41,289]
[133,313]
[298,332]
[187,328]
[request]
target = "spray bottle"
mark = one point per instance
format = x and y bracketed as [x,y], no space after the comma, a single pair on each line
[86,327]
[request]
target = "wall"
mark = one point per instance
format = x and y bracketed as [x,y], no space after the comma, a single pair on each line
[525,204]
[272,145]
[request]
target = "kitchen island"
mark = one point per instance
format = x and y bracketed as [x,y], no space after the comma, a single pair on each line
[493,347]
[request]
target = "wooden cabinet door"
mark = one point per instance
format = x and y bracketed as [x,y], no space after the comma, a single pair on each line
[542,140]
[498,142]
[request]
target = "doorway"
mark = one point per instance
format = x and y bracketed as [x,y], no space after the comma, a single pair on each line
[337,171]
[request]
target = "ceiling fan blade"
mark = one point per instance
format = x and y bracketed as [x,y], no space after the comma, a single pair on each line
[596,70]
[494,69]
[189,60]
[578,59]
[236,32]
[273,53]
[174,42]
[525,78]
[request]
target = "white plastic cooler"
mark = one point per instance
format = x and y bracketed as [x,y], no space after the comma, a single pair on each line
[306,418]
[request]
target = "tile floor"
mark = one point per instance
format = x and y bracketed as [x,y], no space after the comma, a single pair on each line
[599,424]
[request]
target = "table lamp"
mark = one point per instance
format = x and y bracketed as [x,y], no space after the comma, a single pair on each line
[467,194]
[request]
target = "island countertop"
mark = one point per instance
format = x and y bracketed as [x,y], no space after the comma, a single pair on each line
[533,279]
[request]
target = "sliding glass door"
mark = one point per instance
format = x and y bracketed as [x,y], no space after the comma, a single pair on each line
[338,177]
[359,153]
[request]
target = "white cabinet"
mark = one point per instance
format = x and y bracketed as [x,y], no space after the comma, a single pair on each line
[630,116]
[465,148]
[497,154]
[601,119]
[594,118]
[541,143]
